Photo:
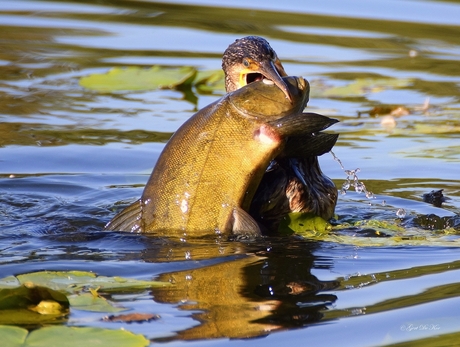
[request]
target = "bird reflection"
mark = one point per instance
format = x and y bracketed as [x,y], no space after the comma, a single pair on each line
[251,296]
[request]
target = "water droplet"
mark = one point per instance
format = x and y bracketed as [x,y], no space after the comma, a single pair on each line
[346,185]
[401,213]
[359,187]
[384,203]
[184,206]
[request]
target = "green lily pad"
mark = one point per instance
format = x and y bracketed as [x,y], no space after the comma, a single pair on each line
[40,291]
[30,304]
[9,282]
[13,336]
[209,81]
[305,224]
[362,86]
[70,337]
[89,302]
[27,295]
[73,281]
[24,316]
[134,78]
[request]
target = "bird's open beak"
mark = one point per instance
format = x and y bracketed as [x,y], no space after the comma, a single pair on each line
[274,71]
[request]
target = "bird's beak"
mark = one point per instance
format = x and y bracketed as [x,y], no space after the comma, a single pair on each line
[274,71]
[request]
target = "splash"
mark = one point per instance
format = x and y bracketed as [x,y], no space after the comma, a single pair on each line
[352,180]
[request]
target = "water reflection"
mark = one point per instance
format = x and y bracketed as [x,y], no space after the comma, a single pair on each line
[271,289]
[101,148]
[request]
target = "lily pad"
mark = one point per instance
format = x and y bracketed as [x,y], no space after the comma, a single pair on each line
[210,80]
[362,86]
[89,302]
[305,224]
[135,78]
[30,304]
[27,295]
[13,336]
[70,337]
[72,281]
[81,288]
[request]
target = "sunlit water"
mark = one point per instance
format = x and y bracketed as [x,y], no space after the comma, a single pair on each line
[70,158]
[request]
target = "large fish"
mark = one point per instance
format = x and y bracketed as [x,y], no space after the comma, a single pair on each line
[208,172]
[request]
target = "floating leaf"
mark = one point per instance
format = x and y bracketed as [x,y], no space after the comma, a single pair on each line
[136,78]
[13,336]
[88,302]
[27,295]
[210,80]
[41,289]
[70,337]
[306,224]
[72,281]
[24,316]
[362,86]
[29,304]
[9,282]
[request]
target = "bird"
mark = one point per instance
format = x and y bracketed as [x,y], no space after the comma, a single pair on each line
[251,59]
[293,184]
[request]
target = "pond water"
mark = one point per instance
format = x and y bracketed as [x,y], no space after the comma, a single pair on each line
[70,157]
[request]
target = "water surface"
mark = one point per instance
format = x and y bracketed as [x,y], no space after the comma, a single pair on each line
[71,157]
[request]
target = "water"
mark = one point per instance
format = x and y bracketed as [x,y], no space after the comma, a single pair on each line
[70,158]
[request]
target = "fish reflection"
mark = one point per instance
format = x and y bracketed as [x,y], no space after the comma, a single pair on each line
[250,296]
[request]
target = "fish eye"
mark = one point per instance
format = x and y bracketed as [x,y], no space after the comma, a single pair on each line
[246,62]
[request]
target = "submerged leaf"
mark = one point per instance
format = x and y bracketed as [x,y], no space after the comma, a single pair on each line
[136,78]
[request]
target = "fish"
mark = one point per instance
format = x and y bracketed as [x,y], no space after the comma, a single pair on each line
[206,176]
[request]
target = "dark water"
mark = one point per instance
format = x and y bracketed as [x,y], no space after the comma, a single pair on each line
[71,157]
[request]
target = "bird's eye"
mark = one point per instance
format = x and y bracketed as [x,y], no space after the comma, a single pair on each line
[246,62]
[272,54]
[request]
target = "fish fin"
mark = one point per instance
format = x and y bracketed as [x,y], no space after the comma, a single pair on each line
[298,124]
[244,225]
[129,219]
[309,146]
